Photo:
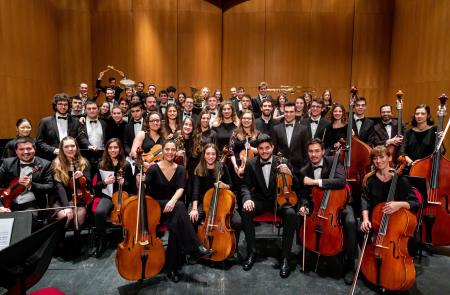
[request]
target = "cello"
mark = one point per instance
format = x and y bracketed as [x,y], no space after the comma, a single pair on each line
[216,233]
[141,254]
[322,232]
[386,262]
[434,168]
[392,148]
[285,195]
[118,198]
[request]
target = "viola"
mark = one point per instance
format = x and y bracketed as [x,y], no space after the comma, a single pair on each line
[118,198]
[153,155]
[323,233]
[141,254]
[216,233]
[392,148]
[386,262]
[245,155]
[179,143]
[286,197]
[9,194]
[434,168]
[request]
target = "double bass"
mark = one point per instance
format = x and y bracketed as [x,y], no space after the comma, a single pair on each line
[386,262]
[323,232]
[216,233]
[141,254]
[434,168]
[118,198]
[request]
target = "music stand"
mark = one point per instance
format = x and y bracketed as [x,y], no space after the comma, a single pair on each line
[23,264]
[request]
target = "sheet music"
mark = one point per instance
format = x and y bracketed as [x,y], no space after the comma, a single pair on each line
[132,163]
[108,190]
[6,226]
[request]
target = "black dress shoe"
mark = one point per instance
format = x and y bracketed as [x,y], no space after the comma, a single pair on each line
[348,277]
[203,251]
[248,263]
[174,276]
[285,270]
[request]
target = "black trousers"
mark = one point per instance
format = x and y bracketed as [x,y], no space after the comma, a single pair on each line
[101,213]
[290,224]
[28,206]
[182,237]
[350,232]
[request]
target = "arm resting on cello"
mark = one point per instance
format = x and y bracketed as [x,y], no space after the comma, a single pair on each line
[338,182]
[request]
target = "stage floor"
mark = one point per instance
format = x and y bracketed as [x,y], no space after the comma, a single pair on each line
[87,275]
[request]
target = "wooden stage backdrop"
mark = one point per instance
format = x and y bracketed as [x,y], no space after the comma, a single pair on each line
[50,46]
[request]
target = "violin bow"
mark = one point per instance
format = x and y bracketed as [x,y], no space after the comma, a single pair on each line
[304,239]
[355,278]
[74,195]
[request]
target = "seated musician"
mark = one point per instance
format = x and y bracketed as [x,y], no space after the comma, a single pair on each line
[23,129]
[164,182]
[259,193]
[112,161]
[64,165]
[377,185]
[205,178]
[33,172]
[317,173]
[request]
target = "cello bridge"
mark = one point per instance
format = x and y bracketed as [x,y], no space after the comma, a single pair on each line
[381,246]
[143,243]
[323,217]
[434,203]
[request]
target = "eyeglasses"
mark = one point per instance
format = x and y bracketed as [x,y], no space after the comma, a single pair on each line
[316,107]
[244,118]
[155,121]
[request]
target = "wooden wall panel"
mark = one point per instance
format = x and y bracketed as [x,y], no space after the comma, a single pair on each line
[29,71]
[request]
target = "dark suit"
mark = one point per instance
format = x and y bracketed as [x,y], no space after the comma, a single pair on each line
[256,104]
[365,130]
[117,89]
[42,180]
[83,129]
[265,128]
[94,156]
[115,130]
[323,124]
[194,117]
[48,140]
[254,188]
[379,135]
[296,152]
[128,136]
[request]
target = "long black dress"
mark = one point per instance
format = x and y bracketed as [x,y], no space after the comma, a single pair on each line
[182,237]
[223,134]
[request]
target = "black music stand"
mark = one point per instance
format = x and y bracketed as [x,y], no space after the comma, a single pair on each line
[23,264]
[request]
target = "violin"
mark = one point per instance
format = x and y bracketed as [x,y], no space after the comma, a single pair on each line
[141,254]
[216,233]
[81,193]
[386,262]
[286,197]
[118,198]
[323,232]
[245,155]
[9,194]
[434,168]
[392,148]
[179,143]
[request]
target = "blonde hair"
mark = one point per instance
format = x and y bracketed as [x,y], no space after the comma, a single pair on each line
[61,165]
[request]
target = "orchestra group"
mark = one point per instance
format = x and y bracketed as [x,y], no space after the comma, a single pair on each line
[206,166]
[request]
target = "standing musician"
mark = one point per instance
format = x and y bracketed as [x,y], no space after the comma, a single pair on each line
[259,194]
[164,182]
[265,122]
[224,125]
[112,161]
[63,169]
[135,124]
[202,135]
[317,173]
[171,123]
[316,123]
[112,84]
[289,138]
[54,128]
[385,131]
[23,129]
[278,113]
[82,96]
[327,102]
[213,108]
[204,178]
[32,172]
[116,124]
[184,141]
[187,110]
[246,102]
[362,126]
[300,109]
[162,103]
[337,129]
[76,107]
[258,99]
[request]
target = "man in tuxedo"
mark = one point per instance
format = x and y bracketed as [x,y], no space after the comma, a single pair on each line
[152,90]
[34,173]
[258,99]
[265,122]
[110,98]
[133,127]
[385,132]
[259,192]
[54,128]
[233,93]
[362,126]
[76,107]
[187,111]
[111,85]
[171,90]
[163,102]
[150,105]
[316,124]
[213,108]
[246,103]
[140,90]
[237,104]
[83,95]
[289,138]
[317,174]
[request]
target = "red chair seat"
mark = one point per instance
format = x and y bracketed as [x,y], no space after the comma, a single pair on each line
[267,217]
[162,228]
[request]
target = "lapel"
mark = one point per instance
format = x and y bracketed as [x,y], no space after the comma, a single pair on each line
[325,169]
[273,173]
[259,174]
[320,128]
[17,168]
[55,126]
[283,133]
[383,130]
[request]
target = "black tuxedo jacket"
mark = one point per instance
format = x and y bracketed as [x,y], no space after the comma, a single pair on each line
[117,89]
[256,104]
[295,153]
[128,136]
[323,124]
[83,130]
[42,180]
[194,117]
[337,182]
[254,185]
[266,128]
[47,139]
[115,130]
[379,135]
[366,129]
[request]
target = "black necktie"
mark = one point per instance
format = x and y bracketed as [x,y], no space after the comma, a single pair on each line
[317,167]
[265,163]
[95,121]
[137,122]
[290,125]
[62,118]
[26,165]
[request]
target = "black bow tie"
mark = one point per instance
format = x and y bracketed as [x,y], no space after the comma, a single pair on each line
[265,163]
[213,113]
[136,122]
[62,118]
[314,121]
[290,125]
[187,114]
[386,124]
[26,165]
[359,120]
[317,167]
[95,121]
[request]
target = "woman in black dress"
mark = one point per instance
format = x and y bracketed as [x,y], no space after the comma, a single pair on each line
[116,124]
[337,129]
[164,182]
[278,113]
[327,102]
[23,129]
[113,160]
[300,109]
[224,125]
[171,124]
